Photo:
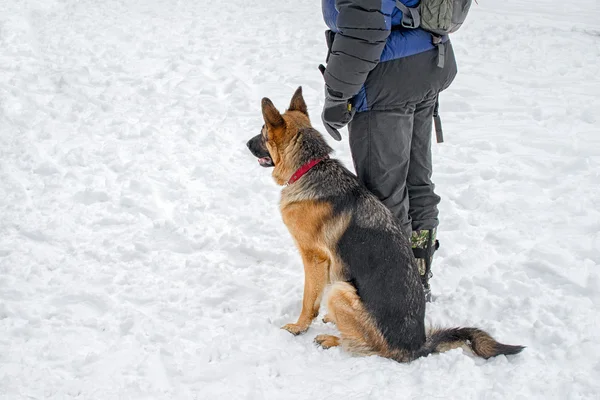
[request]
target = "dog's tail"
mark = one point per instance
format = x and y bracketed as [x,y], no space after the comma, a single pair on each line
[478,341]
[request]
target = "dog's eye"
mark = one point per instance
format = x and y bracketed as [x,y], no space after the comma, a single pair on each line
[264,132]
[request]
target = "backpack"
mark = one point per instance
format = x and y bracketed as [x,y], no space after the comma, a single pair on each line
[440,17]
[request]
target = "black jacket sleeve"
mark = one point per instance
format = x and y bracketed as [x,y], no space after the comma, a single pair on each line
[357,47]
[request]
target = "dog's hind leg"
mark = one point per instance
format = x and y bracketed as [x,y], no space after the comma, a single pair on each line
[359,335]
[328,318]
[327,341]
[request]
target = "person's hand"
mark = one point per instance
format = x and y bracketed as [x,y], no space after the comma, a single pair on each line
[337,113]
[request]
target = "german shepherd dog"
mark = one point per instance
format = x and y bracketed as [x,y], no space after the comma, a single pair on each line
[349,239]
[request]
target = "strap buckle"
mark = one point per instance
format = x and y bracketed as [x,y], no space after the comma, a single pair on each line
[411,18]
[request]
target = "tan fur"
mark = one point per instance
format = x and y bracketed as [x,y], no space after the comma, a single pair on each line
[452,345]
[283,169]
[305,221]
[484,345]
[446,346]
[331,236]
[325,235]
[282,140]
[328,319]
[309,223]
[481,344]
[359,335]
[327,341]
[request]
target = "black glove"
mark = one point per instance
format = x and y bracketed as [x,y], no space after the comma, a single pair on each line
[337,113]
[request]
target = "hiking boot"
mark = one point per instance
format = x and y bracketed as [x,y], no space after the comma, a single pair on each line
[424,245]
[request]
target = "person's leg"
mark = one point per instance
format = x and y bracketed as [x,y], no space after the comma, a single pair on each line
[393,85]
[422,198]
[421,191]
[380,142]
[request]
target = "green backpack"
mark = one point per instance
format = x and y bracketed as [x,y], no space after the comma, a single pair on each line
[440,17]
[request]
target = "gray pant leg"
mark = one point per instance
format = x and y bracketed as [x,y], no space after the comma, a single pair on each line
[380,142]
[391,143]
[422,198]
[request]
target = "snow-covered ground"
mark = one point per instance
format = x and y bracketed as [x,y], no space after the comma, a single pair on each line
[142,254]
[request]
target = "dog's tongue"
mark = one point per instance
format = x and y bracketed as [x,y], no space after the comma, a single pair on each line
[264,161]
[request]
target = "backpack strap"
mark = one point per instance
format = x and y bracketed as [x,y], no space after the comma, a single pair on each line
[437,121]
[438,42]
[411,18]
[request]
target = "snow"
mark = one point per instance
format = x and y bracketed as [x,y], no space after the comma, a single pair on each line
[142,254]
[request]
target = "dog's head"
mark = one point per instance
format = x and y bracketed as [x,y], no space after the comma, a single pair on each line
[276,145]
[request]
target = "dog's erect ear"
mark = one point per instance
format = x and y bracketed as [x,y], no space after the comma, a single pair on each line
[271,116]
[297,103]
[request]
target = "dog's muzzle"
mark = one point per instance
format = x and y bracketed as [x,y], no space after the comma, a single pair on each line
[257,147]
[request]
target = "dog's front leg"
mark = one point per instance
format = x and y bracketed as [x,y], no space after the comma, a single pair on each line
[316,270]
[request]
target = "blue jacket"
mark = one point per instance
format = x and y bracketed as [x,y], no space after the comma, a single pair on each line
[367,32]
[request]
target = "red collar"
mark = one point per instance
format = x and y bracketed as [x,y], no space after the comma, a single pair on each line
[304,169]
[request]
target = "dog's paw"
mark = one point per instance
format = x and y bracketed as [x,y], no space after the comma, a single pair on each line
[327,341]
[295,329]
[327,319]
